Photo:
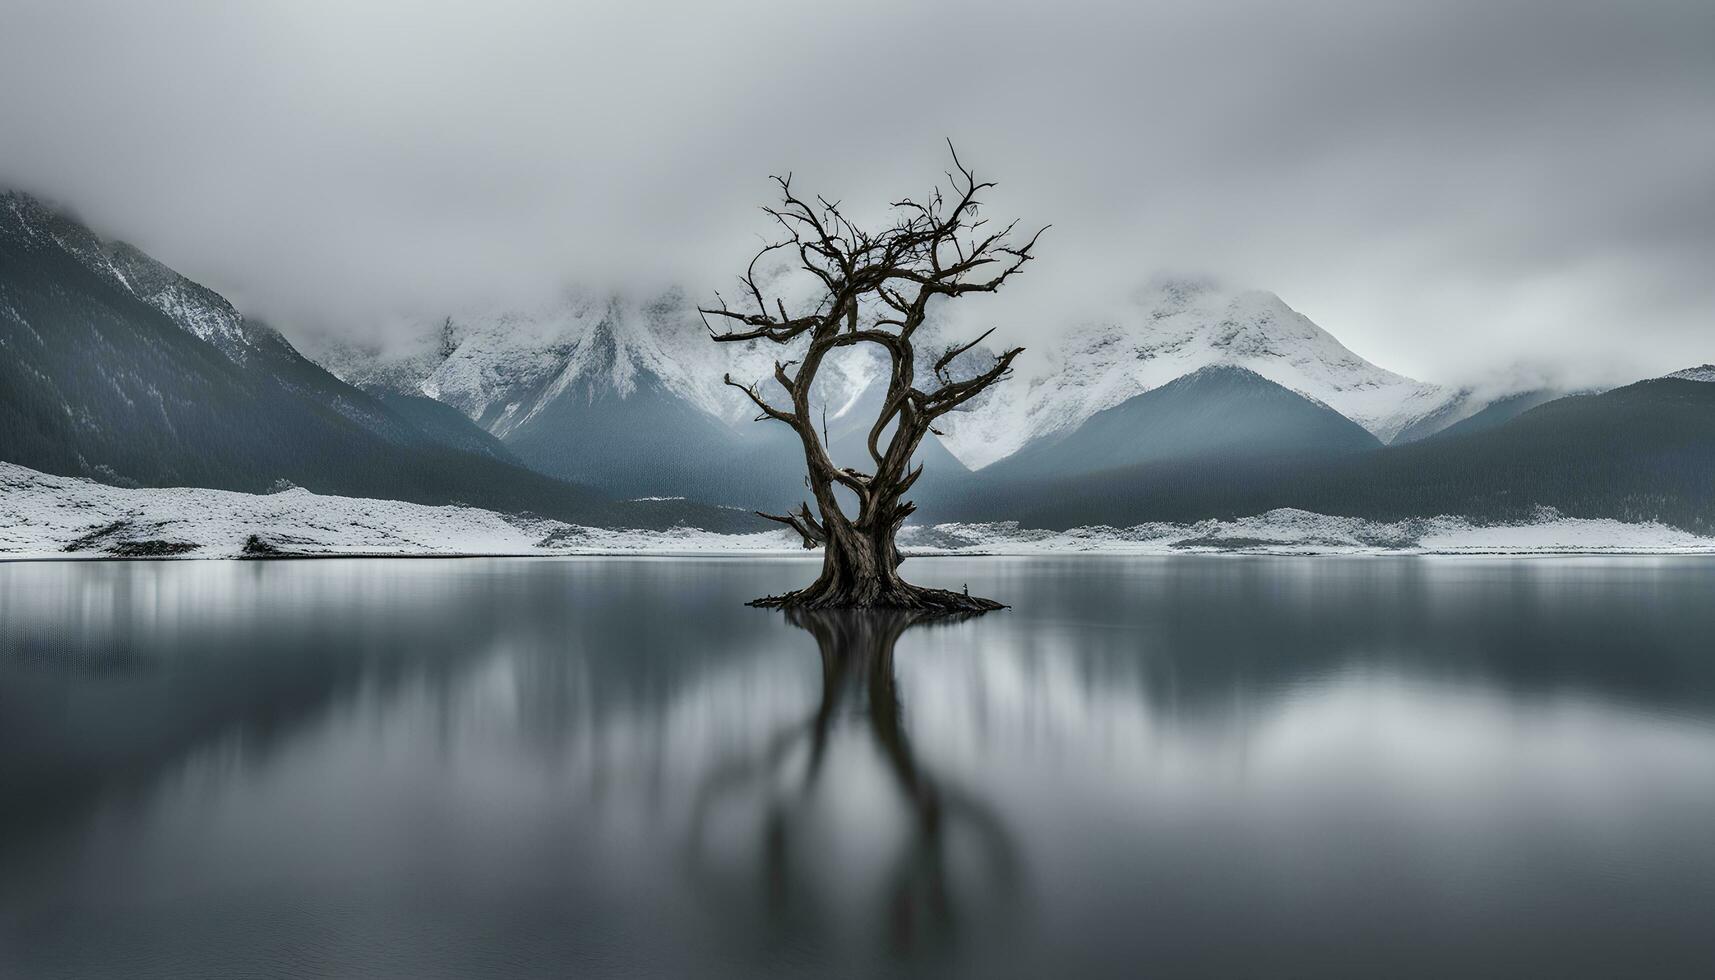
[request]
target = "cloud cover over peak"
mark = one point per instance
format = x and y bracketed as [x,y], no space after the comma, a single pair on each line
[1449,188]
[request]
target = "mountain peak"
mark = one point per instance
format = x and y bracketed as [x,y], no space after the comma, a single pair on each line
[1177,325]
[1174,290]
[1223,373]
[1703,372]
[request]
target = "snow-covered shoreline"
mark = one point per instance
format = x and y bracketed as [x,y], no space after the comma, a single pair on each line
[44,516]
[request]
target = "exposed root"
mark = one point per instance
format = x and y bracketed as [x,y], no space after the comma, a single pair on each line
[904,597]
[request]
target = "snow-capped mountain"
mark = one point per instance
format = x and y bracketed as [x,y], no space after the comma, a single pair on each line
[504,368]
[1704,372]
[201,311]
[116,368]
[34,226]
[1644,452]
[621,392]
[1214,413]
[1174,327]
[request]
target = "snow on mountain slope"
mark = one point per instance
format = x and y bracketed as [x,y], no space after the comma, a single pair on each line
[1705,372]
[1215,413]
[201,311]
[1174,327]
[504,368]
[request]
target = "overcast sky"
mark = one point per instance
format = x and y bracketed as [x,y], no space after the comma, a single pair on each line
[1451,188]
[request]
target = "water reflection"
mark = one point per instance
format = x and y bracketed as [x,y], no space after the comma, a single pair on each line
[541,768]
[920,902]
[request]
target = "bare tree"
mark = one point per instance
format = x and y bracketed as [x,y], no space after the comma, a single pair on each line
[875,288]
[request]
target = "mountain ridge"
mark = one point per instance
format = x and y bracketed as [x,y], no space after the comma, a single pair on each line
[1640,453]
[103,377]
[1216,411]
[1174,327]
[1703,372]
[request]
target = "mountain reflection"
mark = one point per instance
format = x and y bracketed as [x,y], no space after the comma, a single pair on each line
[918,901]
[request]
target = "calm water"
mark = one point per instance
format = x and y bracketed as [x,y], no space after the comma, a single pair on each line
[1154,767]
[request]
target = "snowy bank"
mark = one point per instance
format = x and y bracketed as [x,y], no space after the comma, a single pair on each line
[43,516]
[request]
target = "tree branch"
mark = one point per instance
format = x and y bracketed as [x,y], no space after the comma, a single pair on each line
[802,521]
[952,395]
[953,352]
[768,411]
[876,287]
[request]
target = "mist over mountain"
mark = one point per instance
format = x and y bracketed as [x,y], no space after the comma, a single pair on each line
[1176,326]
[117,368]
[1199,401]
[503,368]
[622,393]
[1424,180]
[1196,400]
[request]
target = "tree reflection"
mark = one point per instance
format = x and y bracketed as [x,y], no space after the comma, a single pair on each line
[952,860]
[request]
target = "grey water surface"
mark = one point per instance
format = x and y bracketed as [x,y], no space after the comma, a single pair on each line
[1223,767]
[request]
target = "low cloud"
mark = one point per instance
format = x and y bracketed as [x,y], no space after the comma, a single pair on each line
[1452,188]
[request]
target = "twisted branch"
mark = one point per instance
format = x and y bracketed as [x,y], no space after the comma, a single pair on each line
[802,521]
[941,246]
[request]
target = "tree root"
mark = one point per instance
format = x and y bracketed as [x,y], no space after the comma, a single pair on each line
[908,597]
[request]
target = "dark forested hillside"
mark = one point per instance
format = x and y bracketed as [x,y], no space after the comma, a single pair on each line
[1219,412]
[1643,452]
[1499,412]
[444,425]
[1206,426]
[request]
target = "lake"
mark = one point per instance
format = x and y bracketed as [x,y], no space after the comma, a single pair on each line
[1193,766]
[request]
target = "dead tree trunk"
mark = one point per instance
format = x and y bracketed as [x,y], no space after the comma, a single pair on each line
[874,288]
[860,570]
